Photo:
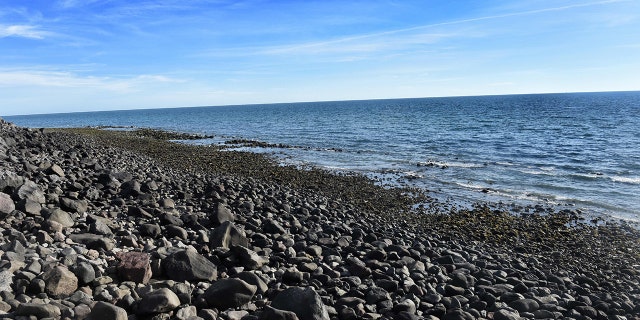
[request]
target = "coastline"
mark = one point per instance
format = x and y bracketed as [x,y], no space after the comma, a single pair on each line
[360,246]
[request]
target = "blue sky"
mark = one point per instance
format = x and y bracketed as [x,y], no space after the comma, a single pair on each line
[72,55]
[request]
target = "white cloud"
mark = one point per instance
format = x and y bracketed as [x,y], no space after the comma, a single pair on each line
[70,80]
[24,31]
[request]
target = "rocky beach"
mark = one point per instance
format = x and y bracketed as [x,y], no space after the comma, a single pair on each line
[101,224]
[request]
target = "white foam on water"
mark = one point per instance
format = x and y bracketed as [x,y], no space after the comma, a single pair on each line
[629,180]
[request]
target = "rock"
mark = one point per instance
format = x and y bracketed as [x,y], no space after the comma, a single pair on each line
[376,294]
[188,265]
[587,311]
[60,282]
[229,293]
[152,230]
[253,279]
[270,313]
[55,169]
[6,204]
[107,311]
[30,190]
[457,314]
[158,301]
[62,217]
[306,303]
[186,313]
[177,232]
[221,214]
[134,266]
[451,290]
[167,203]
[9,181]
[38,310]
[84,272]
[272,226]
[525,305]
[506,314]
[29,206]
[227,236]
[130,188]
[93,241]
[6,279]
[98,226]
[249,259]
[71,205]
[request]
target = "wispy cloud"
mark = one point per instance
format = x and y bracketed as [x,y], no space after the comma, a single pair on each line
[22,31]
[30,78]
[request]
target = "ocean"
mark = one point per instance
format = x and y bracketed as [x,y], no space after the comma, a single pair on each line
[575,150]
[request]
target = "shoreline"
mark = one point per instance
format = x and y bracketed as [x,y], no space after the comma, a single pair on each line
[108,195]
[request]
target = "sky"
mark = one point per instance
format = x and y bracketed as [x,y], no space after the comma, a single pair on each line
[73,55]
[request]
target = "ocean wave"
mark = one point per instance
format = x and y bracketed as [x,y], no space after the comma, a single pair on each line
[629,180]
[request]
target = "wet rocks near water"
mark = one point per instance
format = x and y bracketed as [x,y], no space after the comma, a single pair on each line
[148,230]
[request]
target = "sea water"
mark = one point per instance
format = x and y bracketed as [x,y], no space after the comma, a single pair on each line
[578,150]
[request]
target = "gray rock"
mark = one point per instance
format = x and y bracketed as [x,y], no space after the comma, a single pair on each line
[71,205]
[84,272]
[304,302]
[60,282]
[229,293]
[249,259]
[254,279]
[10,181]
[376,294]
[176,231]
[55,169]
[221,214]
[107,311]
[62,217]
[6,279]
[272,226]
[506,314]
[30,190]
[525,305]
[151,230]
[270,313]
[457,314]
[29,206]
[38,310]
[93,241]
[189,265]
[186,313]
[6,204]
[158,301]
[227,236]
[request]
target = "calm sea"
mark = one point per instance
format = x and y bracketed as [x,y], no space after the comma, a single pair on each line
[580,151]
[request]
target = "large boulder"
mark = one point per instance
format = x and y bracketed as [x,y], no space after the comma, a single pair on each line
[189,265]
[306,303]
[229,293]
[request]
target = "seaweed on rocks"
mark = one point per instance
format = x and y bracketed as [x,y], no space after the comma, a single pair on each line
[140,225]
